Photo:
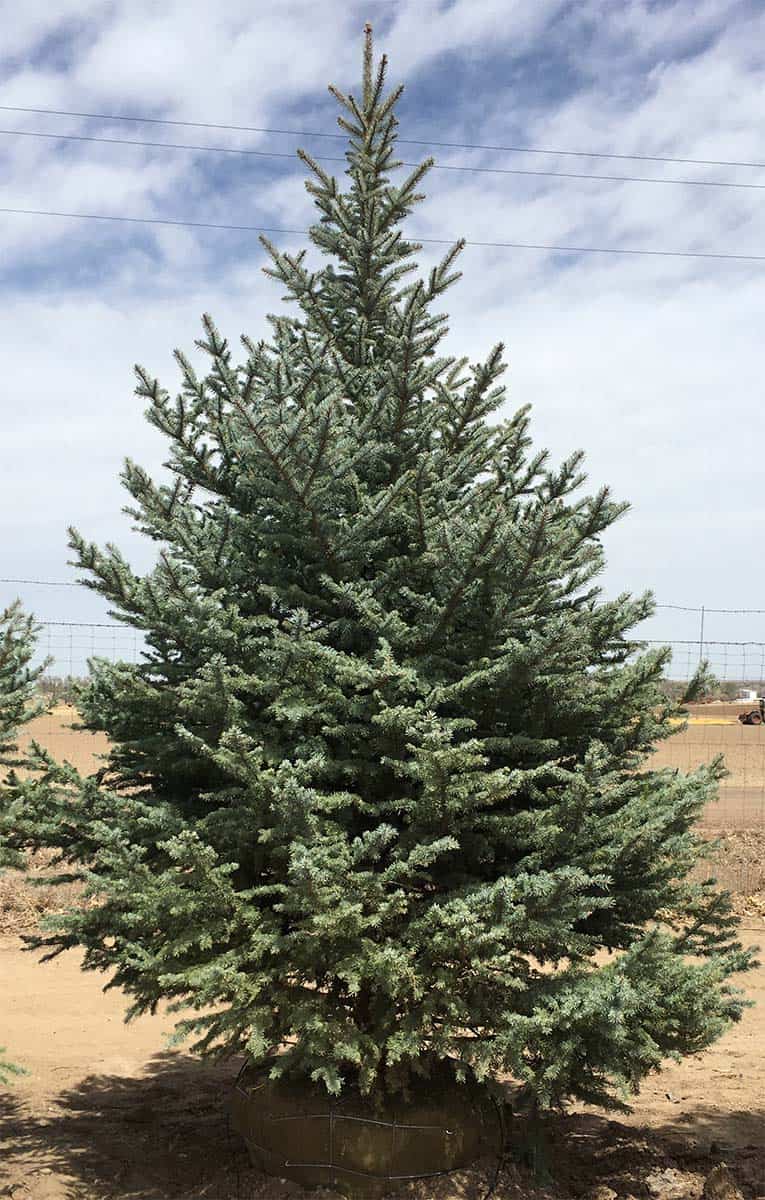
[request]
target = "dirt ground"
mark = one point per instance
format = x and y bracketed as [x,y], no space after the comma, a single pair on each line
[742,794]
[53,731]
[712,729]
[108,1112]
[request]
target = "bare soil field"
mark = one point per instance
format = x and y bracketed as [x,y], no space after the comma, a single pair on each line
[715,709]
[108,1112]
[77,746]
[713,730]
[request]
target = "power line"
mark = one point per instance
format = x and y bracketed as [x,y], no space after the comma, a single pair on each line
[42,582]
[659,158]
[79,137]
[729,611]
[738,611]
[702,254]
[676,607]
[679,607]
[646,641]
[88,625]
[692,642]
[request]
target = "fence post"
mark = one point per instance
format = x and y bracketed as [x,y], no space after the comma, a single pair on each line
[701,636]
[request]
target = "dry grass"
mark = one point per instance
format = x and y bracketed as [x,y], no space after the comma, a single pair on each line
[25,897]
[739,867]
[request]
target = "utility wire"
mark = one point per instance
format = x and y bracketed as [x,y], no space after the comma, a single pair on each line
[737,611]
[81,137]
[86,624]
[707,254]
[692,642]
[644,641]
[678,607]
[695,162]
[729,611]
[42,582]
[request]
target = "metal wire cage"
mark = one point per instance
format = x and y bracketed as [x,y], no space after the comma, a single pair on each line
[363,1148]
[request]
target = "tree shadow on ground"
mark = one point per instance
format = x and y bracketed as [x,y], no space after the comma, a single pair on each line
[592,1150]
[163,1135]
[166,1136]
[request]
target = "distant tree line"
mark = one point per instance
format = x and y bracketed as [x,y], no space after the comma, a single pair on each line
[60,689]
[716,689]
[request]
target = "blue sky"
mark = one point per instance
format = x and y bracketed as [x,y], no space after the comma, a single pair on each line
[654,366]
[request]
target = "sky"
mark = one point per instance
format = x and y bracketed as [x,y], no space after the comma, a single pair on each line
[651,364]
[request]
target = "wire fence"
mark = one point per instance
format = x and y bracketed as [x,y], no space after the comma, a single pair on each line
[733,665]
[713,726]
[70,644]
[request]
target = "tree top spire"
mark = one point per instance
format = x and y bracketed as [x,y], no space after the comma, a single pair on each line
[368,63]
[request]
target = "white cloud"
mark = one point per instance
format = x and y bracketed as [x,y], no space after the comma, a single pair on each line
[653,365]
[423,29]
[26,26]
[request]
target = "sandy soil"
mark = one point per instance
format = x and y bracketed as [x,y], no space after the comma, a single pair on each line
[107,1111]
[742,793]
[712,730]
[76,746]
[743,747]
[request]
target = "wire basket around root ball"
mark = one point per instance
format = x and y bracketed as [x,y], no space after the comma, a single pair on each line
[362,1146]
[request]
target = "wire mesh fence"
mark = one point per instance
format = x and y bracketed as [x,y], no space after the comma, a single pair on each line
[713,727]
[68,647]
[734,666]
[70,644]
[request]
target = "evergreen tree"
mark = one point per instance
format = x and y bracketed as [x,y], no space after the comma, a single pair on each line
[378,792]
[18,705]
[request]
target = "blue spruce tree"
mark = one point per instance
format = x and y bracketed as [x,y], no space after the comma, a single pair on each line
[378,793]
[19,703]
